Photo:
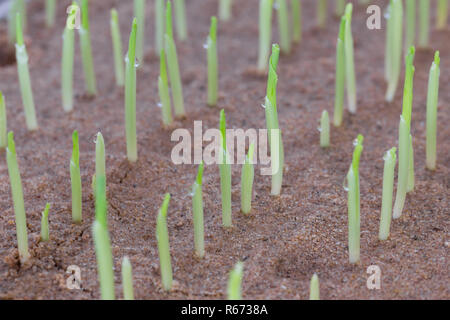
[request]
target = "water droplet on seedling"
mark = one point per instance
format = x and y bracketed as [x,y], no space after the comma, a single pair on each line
[345,183]
[159,105]
[206,44]
[355,142]
[263,106]
[276,6]
[387,13]
[319,129]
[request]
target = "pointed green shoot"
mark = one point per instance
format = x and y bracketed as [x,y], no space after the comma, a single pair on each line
[163,88]
[86,50]
[162,236]
[17,196]
[44,224]
[127,279]
[100,182]
[247,178]
[314,288]
[390,159]
[349,60]
[340,76]
[432,104]
[104,260]
[75,178]
[197,209]
[130,96]
[395,30]
[324,130]
[235,282]
[68,61]
[117,48]
[225,174]
[212,64]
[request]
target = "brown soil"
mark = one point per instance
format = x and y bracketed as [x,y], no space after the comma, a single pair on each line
[285,240]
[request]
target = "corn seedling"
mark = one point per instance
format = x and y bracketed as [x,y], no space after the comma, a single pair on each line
[354,202]
[442,14]
[172,63]
[404,140]
[349,60]
[86,50]
[117,48]
[162,236]
[275,140]
[180,16]
[235,282]
[339,8]
[212,63]
[225,173]
[197,209]
[159,25]
[68,61]
[130,96]
[424,23]
[410,29]
[394,37]
[104,260]
[139,13]
[314,288]
[432,102]
[247,177]
[163,88]
[296,7]
[75,178]
[324,130]
[225,9]
[24,77]
[127,279]
[17,196]
[3,126]
[283,26]
[100,181]
[265,32]
[322,8]
[340,76]
[44,224]
[50,9]
[390,159]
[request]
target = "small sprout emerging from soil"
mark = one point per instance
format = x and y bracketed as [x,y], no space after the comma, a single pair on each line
[225,173]
[117,48]
[24,77]
[314,288]
[162,236]
[324,130]
[432,101]
[322,8]
[225,9]
[283,26]
[75,178]
[159,25]
[296,7]
[235,282]
[424,23]
[410,28]
[68,61]
[275,140]
[394,47]
[340,76]
[3,125]
[212,64]
[265,32]
[390,159]
[139,13]
[86,50]
[50,10]
[247,177]
[197,206]
[349,60]
[127,279]
[104,260]
[404,141]
[172,63]
[354,203]
[130,96]
[44,224]
[339,8]
[180,16]
[442,14]
[163,88]
[17,196]
[16,6]
[100,181]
